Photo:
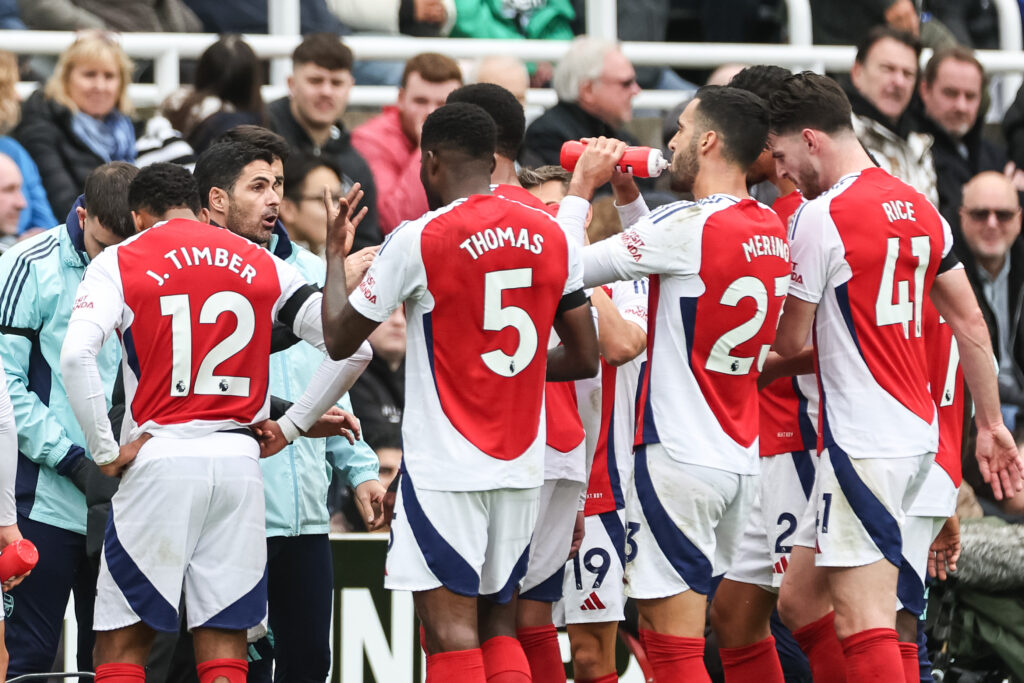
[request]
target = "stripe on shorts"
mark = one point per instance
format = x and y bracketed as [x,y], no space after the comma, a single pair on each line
[450,568]
[548,590]
[518,572]
[246,611]
[616,532]
[143,597]
[685,557]
[909,589]
[881,526]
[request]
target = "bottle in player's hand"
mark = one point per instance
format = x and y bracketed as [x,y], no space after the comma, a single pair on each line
[16,560]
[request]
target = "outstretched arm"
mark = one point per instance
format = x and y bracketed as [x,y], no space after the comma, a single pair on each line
[999,460]
[342,333]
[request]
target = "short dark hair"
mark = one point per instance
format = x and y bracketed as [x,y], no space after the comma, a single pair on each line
[761,79]
[158,188]
[257,136]
[958,53]
[325,50]
[503,107]
[432,67]
[533,177]
[298,167]
[222,163]
[881,32]
[459,127]
[740,117]
[106,197]
[809,100]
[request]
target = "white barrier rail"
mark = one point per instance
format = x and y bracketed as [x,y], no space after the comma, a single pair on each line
[167,49]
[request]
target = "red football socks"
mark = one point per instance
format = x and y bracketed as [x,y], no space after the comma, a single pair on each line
[234,670]
[674,658]
[120,673]
[465,666]
[505,661]
[607,678]
[758,662]
[873,655]
[911,664]
[540,643]
[820,643]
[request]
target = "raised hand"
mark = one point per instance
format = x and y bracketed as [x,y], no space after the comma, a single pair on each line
[343,218]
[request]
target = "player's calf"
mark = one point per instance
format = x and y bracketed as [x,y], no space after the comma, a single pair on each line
[740,614]
[593,649]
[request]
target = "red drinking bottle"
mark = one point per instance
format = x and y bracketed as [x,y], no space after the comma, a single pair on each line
[17,558]
[642,162]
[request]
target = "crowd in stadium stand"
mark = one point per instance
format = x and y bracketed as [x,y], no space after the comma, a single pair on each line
[929,123]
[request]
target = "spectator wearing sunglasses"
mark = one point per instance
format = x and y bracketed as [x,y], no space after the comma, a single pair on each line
[993,256]
[595,84]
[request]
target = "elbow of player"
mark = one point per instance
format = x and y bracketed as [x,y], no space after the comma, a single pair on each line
[787,348]
[70,361]
[621,352]
[335,345]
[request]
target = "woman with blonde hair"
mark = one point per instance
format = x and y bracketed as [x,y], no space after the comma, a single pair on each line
[37,213]
[80,120]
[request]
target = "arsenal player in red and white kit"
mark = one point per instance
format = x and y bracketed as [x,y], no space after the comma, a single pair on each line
[745,598]
[484,279]
[931,534]
[867,251]
[193,306]
[718,274]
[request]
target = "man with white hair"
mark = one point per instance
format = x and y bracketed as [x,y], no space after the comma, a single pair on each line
[596,85]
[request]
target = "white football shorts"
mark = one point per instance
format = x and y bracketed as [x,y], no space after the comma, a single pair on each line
[785,485]
[189,514]
[918,534]
[858,508]
[552,539]
[688,521]
[474,543]
[593,591]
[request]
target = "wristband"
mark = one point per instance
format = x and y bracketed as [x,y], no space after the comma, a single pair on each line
[288,428]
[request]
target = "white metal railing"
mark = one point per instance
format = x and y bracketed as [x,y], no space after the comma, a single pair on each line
[167,49]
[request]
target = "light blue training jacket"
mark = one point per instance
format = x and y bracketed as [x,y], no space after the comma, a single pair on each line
[295,481]
[38,281]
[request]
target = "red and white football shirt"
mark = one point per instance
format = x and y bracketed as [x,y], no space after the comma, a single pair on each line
[565,435]
[789,405]
[937,497]
[613,455]
[866,252]
[482,279]
[719,272]
[194,305]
